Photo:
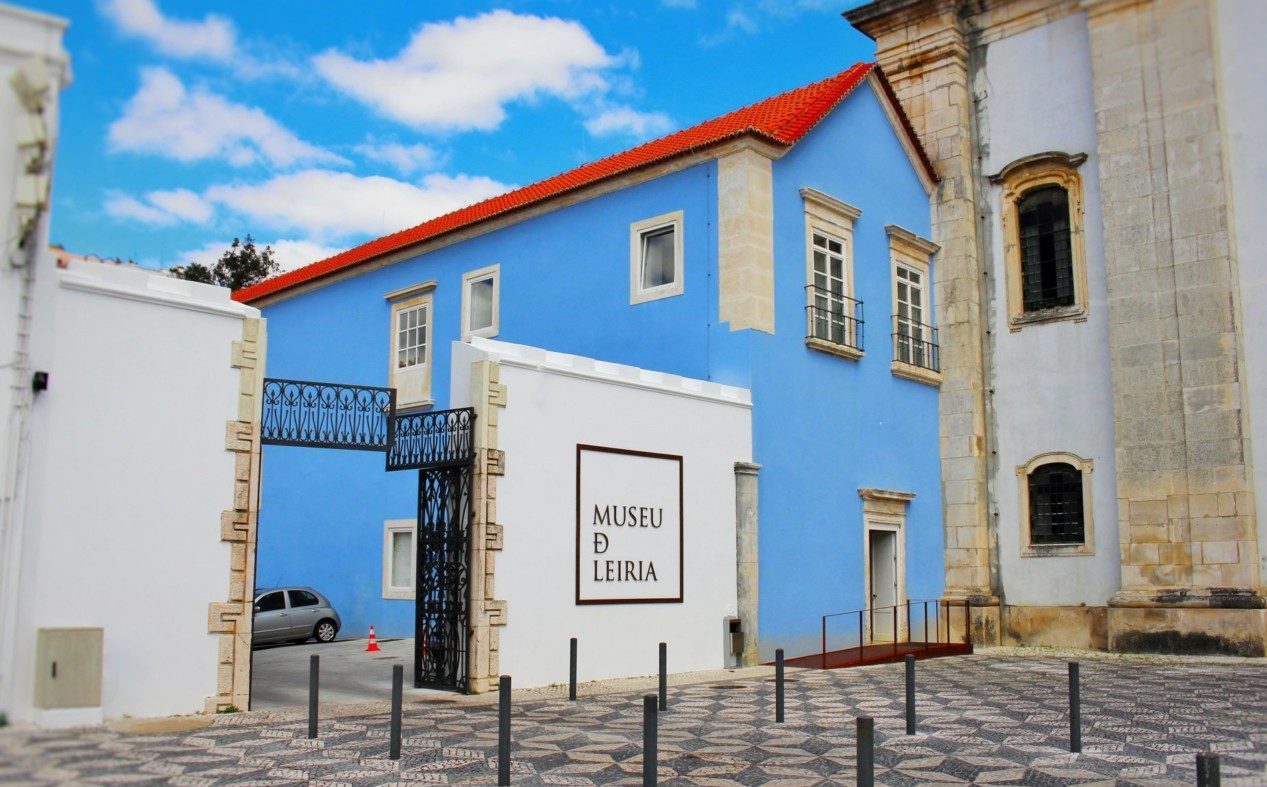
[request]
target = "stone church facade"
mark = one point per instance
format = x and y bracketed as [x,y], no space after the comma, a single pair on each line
[1104,383]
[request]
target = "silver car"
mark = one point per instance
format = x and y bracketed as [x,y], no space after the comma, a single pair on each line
[293,615]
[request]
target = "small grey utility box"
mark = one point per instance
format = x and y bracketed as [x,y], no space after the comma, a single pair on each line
[68,668]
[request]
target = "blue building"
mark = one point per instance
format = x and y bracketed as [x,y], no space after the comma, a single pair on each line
[779,249]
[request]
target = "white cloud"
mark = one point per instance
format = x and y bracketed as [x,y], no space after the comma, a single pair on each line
[406,159]
[160,208]
[326,205]
[213,38]
[738,19]
[621,120]
[289,254]
[166,118]
[462,74]
[183,204]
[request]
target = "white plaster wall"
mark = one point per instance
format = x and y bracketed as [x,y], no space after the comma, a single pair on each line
[1240,25]
[1052,385]
[555,402]
[128,477]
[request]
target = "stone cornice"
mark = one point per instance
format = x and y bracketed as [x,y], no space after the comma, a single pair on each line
[870,493]
[1052,157]
[884,16]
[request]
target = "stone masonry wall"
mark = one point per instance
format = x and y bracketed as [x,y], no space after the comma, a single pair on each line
[1183,460]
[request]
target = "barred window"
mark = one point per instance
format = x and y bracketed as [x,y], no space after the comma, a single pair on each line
[1056,513]
[1046,254]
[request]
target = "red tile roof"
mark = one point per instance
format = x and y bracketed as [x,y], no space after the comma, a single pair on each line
[782,120]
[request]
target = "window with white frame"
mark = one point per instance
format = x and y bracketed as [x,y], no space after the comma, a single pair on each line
[412,318]
[916,355]
[481,294]
[833,316]
[399,558]
[655,258]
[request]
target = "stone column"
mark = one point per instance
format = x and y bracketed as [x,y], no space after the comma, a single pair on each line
[231,619]
[1189,551]
[746,557]
[923,51]
[487,614]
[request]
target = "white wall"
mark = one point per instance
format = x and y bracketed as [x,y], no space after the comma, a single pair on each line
[554,402]
[1052,384]
[23,35]
[1240,25]
[128,477]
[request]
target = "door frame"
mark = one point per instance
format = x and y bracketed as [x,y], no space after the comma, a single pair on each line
[888,524]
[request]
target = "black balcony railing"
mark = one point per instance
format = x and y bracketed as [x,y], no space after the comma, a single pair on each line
[915,343]
[439,438]
[327,415]
[834,318]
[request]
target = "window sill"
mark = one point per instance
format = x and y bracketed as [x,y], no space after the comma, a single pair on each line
[919,374]
[405,408]
[402,595]
[831,348]
[1077,313]
[1058,550]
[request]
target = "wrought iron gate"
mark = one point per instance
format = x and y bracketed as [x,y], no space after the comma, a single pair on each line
[440,445]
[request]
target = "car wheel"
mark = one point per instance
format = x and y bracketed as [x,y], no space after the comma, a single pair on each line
[325,631]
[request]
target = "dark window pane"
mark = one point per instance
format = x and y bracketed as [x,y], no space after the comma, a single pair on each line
[302,598]
[1055,505]
[1046,256]
[271,602]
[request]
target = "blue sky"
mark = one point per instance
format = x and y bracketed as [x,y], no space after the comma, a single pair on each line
[318,125]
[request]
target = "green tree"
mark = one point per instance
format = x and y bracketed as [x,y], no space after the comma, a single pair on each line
[241,265]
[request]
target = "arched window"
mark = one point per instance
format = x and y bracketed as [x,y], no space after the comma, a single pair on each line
[1056,513]
[1046,253]
[1042,238]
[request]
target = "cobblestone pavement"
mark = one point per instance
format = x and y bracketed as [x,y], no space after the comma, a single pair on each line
[986,719]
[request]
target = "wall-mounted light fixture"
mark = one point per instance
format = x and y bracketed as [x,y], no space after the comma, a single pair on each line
[39,382]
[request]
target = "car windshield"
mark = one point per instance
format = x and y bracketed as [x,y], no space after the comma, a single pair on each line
[270,602]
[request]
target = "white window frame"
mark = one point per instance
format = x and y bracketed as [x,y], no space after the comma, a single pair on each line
[910,251]
[826,215]
[390,528]
[491,272]
[413,386]
[637,294]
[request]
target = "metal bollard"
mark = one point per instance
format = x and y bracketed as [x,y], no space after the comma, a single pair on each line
[572,669]
[503,731]
[398,685]
[650,748]
[664,676]
[314,670]
[1075,710]
[910,694]
[866,751]
[1208,770]
[778,685]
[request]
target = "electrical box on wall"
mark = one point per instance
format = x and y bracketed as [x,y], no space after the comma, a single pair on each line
[68,668]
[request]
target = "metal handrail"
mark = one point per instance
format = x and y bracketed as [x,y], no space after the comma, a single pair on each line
[939,605]
[841,323]
[916,343]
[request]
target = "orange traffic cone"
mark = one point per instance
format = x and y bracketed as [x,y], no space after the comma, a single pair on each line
[373,646]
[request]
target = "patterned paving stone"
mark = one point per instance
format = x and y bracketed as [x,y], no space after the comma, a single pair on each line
[985,719]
